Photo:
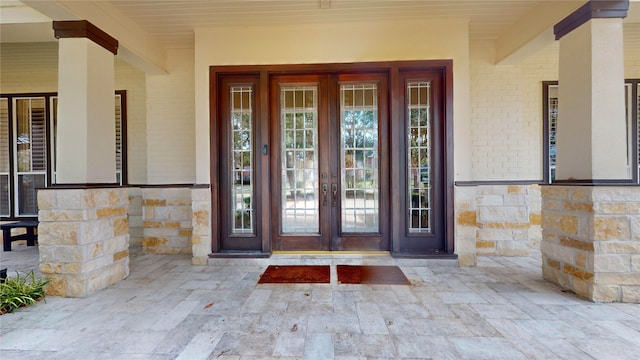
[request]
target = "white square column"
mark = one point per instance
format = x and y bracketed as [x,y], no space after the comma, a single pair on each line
[85,143]
[592,135]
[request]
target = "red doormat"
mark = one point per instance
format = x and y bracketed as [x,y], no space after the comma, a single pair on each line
[376,275]
[296,274]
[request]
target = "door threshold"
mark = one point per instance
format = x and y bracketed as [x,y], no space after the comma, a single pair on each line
[331,253]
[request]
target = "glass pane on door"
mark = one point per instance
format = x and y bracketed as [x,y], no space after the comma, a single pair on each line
[242,160]
[419,153]
[299,144]
[359,158]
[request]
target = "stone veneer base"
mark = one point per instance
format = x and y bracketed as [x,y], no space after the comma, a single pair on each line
[166,215]
[591,241]
[496,220]
[83,239]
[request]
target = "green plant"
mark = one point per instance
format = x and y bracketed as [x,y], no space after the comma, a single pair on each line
[21,291]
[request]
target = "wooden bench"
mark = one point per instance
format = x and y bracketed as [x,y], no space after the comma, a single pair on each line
[30,236]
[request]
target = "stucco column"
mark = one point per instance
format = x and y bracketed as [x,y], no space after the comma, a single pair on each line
[591,138]
[590,218]
[83,232]
[85,144]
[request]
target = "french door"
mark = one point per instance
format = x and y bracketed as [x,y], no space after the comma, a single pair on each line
[329,159]
[332,157]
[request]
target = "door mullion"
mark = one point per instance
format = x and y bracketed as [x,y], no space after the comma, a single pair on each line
[333,164]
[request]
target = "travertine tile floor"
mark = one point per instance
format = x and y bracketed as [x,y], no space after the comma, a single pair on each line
[168,309]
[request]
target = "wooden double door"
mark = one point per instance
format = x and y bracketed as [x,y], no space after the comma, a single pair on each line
[329,162]
[306,162]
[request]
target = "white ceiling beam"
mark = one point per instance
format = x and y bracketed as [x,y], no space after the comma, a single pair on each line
[136,46]
[533,31]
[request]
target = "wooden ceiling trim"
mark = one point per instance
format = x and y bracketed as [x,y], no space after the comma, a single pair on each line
[85,29]
[594,9]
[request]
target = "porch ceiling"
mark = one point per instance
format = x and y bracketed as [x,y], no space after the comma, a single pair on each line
[147,28]
[174,21]
[171,22]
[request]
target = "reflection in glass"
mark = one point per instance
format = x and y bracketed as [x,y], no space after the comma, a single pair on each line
[242,160]
[299,144]
[419,153]
[27,199]
[359,158]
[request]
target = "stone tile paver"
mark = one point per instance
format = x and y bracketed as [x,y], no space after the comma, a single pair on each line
[169,309]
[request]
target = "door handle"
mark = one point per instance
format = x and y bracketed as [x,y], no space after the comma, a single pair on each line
[325,189]
[334,191]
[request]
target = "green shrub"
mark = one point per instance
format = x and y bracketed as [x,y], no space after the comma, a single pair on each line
[20,291]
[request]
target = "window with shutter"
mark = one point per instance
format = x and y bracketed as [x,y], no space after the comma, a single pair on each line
[30,152]
[118,102]
[28,124]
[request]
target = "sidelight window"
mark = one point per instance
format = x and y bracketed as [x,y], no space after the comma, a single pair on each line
[242,159]
[419,179]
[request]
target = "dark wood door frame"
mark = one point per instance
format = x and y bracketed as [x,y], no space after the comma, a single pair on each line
[394,71]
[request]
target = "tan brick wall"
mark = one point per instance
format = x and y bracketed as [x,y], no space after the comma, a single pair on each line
[506,107]
[591,240]
[83,239]
[166,220]
[496,220]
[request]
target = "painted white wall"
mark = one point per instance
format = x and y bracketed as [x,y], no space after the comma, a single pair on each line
[335,43]
[170,121]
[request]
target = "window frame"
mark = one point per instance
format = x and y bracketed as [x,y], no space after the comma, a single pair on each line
[50,151]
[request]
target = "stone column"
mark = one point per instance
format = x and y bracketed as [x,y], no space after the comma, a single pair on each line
[590,215]
[201,215]
[84,232]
